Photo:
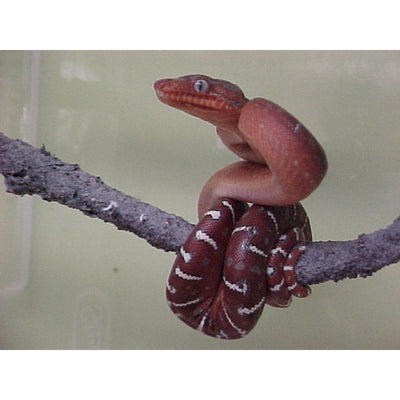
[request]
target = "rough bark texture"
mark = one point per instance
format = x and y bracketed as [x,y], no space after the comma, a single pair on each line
[28,170]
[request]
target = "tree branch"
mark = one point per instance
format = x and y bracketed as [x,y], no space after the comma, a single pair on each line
[29,170]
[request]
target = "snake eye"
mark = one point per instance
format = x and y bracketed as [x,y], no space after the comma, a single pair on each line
[200,86]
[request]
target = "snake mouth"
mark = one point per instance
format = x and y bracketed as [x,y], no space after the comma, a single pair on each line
[185,100]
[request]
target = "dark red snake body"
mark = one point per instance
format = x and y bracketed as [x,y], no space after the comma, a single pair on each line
[239,258]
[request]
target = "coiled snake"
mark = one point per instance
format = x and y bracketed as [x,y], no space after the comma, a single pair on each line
[238,258]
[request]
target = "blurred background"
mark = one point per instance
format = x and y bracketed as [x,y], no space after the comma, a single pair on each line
[71,282]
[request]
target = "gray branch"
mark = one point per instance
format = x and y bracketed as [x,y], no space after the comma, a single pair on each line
[28,170]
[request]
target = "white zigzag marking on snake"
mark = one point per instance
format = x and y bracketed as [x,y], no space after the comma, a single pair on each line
[279,250]
[188,303]
[222,334]
[233,325]
[187,257]
[183,275]
[170,288]
[200,235]
[214,214]
[298,233]
[294,211]
[248,311]
[229,205]
[305,223]
[256,250]
[242,288]
[243,228]
[272,216]
[277,287]
[201,324]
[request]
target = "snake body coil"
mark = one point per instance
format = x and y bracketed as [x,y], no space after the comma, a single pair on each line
[239,258]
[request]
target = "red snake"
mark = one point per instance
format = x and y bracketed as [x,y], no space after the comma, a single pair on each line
[238,257]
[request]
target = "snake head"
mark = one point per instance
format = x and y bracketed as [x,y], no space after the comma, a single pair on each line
[213,100]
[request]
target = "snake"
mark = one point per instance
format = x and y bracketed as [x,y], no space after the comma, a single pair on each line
[252,228]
